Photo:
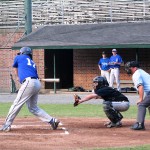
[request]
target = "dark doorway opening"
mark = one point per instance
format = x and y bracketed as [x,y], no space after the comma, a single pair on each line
[63,68]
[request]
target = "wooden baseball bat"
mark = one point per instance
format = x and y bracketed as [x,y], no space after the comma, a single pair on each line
[50,80]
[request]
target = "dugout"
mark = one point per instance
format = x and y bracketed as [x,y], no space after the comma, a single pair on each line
[77,49]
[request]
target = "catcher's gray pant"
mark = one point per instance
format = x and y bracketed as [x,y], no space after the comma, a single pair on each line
[113,109]
[28,93]
[142,108]
[121,106]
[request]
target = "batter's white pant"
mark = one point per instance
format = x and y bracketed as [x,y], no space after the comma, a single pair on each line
[106,75]
[28,93]
[115,73]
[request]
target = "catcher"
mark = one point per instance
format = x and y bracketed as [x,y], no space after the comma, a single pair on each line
[114,101]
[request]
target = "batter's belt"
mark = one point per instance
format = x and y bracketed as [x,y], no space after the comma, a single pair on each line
[28,78]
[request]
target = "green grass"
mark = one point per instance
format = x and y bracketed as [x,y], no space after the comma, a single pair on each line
[143,147]
[83,110]
[67,110]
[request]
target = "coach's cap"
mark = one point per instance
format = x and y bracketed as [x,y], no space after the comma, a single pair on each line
[114,50]
[25,50]
[103,52]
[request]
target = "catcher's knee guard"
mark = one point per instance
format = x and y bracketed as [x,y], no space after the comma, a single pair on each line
[111,113]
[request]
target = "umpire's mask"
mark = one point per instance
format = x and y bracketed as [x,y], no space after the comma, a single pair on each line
[130,64]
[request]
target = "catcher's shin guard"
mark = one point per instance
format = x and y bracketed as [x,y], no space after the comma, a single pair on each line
[113,115]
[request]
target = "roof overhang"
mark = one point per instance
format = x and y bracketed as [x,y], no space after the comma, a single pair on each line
[87,36]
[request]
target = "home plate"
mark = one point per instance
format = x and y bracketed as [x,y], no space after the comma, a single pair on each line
[66,131]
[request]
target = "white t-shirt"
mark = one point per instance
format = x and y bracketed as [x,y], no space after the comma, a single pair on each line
[140,77]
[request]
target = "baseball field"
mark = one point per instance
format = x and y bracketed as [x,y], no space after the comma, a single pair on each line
[82,128]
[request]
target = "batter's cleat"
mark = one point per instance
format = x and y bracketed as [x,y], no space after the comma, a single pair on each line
[111,124]
[5,128]
[138,126]
[54,123]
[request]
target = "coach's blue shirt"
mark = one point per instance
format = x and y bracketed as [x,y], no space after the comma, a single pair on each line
[104,63]
[26,67]
[113,59]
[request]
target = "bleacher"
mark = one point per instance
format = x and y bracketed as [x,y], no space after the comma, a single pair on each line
[48,12]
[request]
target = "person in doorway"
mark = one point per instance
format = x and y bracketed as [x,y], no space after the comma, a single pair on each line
[114,101]
[26,72]
[141,80]
[103,65]
[115,62]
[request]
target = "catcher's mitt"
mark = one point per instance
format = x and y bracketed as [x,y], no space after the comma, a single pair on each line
[76,99]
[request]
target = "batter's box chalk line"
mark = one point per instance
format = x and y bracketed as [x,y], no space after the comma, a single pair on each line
[65,131]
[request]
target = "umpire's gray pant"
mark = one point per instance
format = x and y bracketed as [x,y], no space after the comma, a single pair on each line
[142,108]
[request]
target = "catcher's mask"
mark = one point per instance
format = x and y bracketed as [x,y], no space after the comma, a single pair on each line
[99,82]
[130,64]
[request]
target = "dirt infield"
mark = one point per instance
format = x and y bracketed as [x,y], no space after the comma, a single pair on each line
[75,133]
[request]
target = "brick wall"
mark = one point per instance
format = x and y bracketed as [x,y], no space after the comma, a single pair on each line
[7,39]
[85,67]
[38,58]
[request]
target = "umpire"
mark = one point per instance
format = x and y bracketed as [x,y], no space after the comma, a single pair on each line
[141,81]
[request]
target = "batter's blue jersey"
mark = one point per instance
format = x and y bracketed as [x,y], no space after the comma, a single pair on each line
[104,63]
[26,67]
[113,59]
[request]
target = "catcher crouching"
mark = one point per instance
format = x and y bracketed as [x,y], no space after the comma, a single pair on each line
[114,101]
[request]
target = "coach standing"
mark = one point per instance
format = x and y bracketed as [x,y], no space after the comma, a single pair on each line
[141,80]
[103,65]
[115,62]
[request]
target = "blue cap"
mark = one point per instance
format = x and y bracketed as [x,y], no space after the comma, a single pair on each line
[114,50]
[25,50]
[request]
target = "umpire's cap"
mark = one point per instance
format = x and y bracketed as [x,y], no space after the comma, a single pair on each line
[132,64]
[25,50]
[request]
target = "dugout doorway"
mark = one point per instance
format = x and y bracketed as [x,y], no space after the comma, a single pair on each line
[63,67]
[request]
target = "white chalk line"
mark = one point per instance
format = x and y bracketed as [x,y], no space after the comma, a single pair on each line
[65,131]
[29,125]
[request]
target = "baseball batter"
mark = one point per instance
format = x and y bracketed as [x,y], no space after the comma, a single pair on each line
[114,101]
[26,72]
[141,80]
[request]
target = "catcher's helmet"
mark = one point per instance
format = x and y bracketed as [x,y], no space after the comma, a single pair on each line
[26,51]
[130,64]
[99,82]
